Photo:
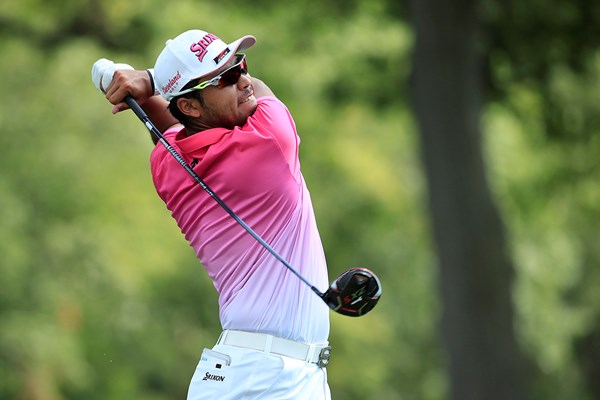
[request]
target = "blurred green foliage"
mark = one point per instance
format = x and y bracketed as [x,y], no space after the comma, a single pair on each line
[100,296]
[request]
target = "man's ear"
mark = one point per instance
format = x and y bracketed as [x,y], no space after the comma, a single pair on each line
[189,107]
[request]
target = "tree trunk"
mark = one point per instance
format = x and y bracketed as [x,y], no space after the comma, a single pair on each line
[484,361]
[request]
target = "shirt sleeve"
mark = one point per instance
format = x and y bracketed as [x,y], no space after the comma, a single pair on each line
[273,118]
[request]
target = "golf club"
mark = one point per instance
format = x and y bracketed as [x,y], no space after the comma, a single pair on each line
[354,293]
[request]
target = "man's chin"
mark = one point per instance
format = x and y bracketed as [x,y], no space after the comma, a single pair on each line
[249,105]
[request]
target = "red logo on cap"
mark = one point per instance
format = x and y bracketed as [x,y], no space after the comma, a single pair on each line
[200,47]
[168,88]
[221,56]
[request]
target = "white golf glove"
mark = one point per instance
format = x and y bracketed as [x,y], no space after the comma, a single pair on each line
[103,71]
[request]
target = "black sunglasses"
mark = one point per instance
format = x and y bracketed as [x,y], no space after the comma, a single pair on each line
[226,78]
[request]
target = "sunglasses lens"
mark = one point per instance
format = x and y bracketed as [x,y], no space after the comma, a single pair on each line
[232,75]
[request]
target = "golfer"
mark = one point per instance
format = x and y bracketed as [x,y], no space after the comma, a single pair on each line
[243,142]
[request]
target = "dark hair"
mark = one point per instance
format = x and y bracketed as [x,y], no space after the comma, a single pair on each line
[176,112]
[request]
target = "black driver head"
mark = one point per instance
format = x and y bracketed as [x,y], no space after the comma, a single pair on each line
[354,293]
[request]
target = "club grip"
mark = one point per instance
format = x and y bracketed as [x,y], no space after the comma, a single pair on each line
[136,107]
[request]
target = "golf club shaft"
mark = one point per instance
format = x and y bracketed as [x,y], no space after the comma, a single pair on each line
[141,114]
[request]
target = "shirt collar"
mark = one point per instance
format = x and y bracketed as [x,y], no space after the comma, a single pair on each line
[199,140]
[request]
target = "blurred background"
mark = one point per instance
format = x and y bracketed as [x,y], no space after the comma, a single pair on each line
[102,298]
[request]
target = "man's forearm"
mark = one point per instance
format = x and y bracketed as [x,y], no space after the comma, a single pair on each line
[157,110]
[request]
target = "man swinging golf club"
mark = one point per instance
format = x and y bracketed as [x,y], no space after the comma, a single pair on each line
[228,128]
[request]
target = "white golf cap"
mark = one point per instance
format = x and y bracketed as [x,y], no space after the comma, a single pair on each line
[192,55]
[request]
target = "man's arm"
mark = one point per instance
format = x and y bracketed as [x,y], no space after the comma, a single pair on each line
[137,84]
[260,88]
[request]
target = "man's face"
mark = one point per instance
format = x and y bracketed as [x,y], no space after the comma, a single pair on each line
[227,106]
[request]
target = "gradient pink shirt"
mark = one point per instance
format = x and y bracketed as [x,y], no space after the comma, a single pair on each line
[255,170]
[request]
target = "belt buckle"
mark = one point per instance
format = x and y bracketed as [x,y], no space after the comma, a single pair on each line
[324,356]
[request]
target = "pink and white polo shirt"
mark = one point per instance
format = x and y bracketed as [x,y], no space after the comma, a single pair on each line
[255,170]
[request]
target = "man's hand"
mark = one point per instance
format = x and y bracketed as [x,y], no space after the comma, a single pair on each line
[125,82]
[103,71]
[119,80]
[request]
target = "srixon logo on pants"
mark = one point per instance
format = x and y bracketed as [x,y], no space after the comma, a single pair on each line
[211,377]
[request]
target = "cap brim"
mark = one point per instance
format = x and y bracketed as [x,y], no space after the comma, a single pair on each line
[242,43]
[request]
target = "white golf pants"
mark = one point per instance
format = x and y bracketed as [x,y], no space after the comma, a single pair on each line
[253,374]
